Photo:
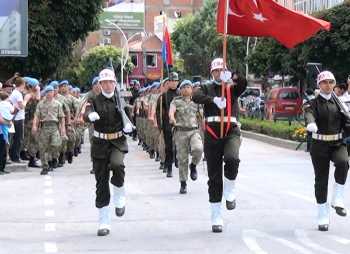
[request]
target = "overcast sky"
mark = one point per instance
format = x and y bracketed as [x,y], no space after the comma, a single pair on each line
[7,6]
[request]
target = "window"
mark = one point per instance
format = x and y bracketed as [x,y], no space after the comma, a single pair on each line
[107,41]
[151,60]
[134,59]
[289,95]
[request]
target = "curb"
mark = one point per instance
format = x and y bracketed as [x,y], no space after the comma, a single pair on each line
[283,143]
[16,167]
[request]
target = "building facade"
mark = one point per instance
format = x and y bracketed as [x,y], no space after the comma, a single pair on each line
[309,6]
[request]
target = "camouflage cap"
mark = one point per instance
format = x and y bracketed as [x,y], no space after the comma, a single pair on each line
[174,76]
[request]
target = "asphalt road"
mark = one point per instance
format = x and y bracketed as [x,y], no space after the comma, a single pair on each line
[275,211]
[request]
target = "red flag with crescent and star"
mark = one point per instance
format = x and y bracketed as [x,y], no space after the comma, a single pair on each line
[266,18]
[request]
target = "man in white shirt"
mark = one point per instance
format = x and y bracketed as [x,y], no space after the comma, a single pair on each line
[16,98]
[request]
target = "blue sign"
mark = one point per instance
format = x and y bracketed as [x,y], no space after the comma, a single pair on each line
[14,28]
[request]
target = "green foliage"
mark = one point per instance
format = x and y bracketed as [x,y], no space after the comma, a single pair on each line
[196,40]
[97,59]
[53,27]
[278,129]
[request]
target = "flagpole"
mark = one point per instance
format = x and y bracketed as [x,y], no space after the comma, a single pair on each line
[161,83]
[224,48]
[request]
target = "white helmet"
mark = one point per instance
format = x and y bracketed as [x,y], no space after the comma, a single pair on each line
[325,75]
[217,63]
[107,74]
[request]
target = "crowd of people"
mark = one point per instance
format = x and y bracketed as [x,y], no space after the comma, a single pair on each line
[39,122]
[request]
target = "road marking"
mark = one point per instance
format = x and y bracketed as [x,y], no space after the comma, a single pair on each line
[300,196]
[50,247]
[249,236]
[339,239]
[304,239]
[50,227]
[48,183]
[48,191]
[50,213]
[49,201]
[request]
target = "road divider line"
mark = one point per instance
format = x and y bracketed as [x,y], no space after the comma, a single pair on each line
[305,240]
[252,244]
[50,247]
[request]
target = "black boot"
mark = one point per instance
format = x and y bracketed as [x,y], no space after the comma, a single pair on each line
[140,142]
[193,173]
[161,166]
[176,163]
[24,155]
[33,163]
[54,163]
[79,149]
[4,172]
[76,152]
[169,171]
[37,155]
[92,171]
[69,157]
[151,154]
[120,211]
[102,232]
[183,188]
[50,166]
[157,157]
[44,171]
[60,161]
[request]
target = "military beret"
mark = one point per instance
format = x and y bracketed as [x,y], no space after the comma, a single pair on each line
[32,82]
[48,89]
[64,82]
[185,83]
[95,80]
[54,84]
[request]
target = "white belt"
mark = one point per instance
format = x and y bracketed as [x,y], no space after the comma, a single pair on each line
[217,119]
[108,136]
[322,137]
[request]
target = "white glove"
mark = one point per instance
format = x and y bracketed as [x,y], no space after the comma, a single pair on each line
[225,76]
[312,127]
[127,128]
[220,103]
[93,116]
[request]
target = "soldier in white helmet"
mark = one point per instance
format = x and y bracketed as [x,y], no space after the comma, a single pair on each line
[221,150]
[328,125]
[109,147]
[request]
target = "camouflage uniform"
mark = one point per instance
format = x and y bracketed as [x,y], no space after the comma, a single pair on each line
[187,136]
[49,114]
[71,133]
[30,141]
[66,111]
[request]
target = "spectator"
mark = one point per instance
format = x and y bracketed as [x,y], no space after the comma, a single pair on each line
[16,99]
[6,110]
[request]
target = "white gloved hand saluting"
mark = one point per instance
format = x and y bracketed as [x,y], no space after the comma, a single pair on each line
[93,116]
[220,103]
[128,128]
[312,127]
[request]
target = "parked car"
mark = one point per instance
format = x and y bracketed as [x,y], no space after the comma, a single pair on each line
[283,102]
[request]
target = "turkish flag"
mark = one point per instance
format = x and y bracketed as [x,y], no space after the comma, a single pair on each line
[269,19]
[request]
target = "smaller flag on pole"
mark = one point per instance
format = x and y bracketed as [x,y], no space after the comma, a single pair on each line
[167,52]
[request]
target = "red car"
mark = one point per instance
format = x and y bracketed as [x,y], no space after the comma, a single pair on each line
[283,102]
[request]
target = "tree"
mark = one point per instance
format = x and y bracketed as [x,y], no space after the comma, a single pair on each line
[53,27]
[196,40]
[99,58]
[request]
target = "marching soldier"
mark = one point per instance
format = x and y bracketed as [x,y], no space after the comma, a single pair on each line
[219,149]
[31,99]
[183,116]
[327,124]
[109,146]
[50,118]
[165,125]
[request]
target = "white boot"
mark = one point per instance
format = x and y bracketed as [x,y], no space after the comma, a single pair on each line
[338,199]
[230,193]
[216,217]
[323,217]
[104,221]
[119,199]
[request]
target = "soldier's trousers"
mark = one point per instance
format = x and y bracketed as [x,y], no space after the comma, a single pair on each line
[49,142]
[187,143]
[30,141]
[216,152]
[161,147]
[114,162]
[322,153]
[71,134]
[168,141]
